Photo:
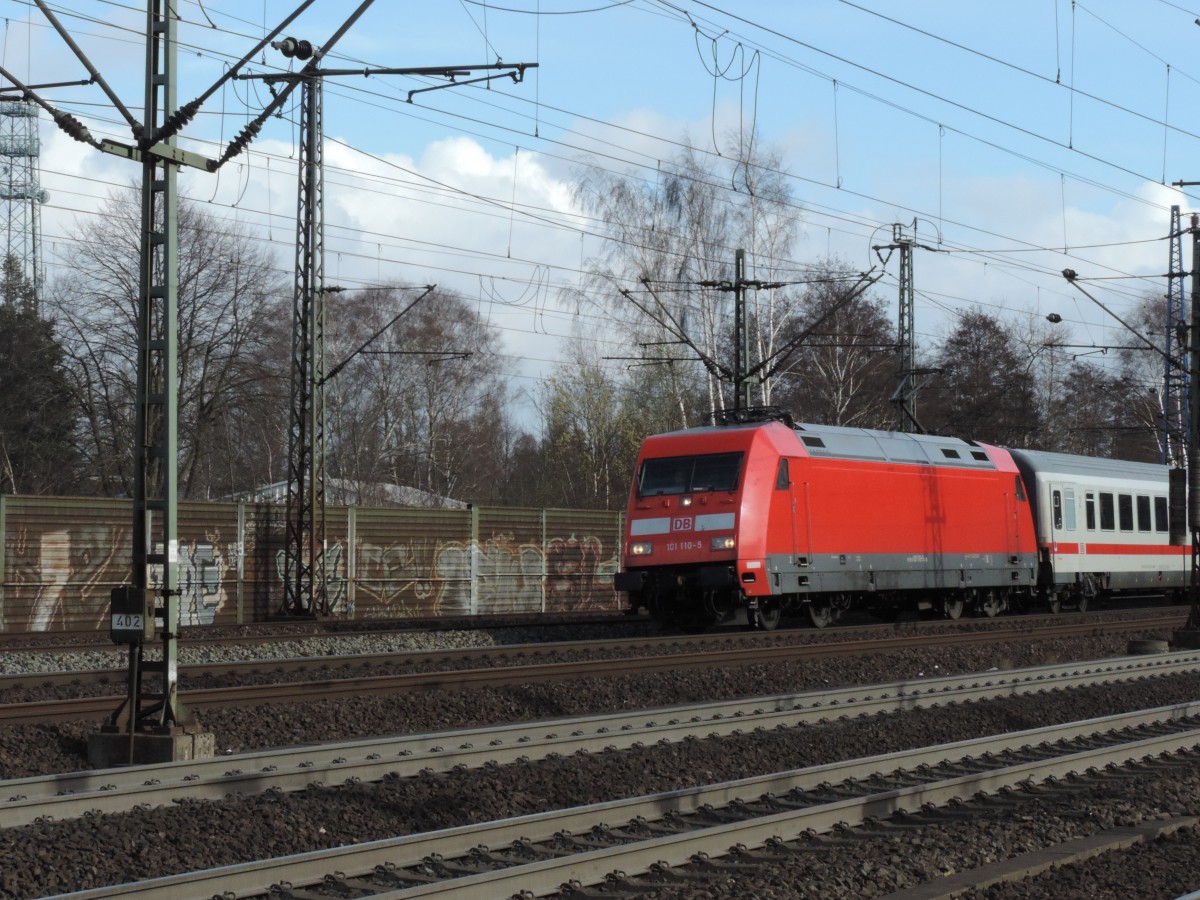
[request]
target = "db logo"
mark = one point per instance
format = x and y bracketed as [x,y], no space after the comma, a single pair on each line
[681,523]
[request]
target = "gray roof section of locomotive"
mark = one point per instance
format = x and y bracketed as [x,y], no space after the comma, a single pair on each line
[841,442]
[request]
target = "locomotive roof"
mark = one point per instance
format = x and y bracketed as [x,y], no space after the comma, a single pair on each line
[841,442]
[891,446]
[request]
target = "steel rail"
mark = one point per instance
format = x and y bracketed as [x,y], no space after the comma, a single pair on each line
[23,801]
[776,645]
[676,849]
[1050,625]
[279,632]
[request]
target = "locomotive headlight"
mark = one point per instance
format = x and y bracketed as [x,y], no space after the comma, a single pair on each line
[685,501]
[640,548]
[723,543]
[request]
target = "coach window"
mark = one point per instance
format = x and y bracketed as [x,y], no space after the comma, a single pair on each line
[1089,511]
[1108,517]
[1069,509]
[1125,511]
[1143,514]
[1056,502]
[1160,514]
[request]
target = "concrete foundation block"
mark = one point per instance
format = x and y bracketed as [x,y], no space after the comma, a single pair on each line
[1186,639]
[108,750]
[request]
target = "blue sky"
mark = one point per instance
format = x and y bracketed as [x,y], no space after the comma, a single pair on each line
[1024,137]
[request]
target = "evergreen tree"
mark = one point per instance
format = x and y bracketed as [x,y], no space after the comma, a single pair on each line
[37,416]
[985,390]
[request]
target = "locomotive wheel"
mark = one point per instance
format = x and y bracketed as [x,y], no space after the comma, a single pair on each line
[990,604]
[767,616]
[952,608]
[821,615]
[1055,604]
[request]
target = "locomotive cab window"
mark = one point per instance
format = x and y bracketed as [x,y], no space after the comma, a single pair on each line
[689,474]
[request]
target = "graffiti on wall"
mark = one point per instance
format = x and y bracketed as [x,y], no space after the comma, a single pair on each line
[396,580]
[508,576]
[200,575]
[335,580]
[64,577]
[66,574]
[60,578]
[576,571]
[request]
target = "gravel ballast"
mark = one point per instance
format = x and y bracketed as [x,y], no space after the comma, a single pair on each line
[55,857]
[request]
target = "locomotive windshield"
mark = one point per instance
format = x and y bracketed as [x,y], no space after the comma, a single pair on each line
[689,474]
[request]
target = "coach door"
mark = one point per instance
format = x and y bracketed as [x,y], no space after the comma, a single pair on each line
[1064,533]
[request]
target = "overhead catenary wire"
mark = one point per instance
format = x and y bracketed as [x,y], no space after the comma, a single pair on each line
[969,251]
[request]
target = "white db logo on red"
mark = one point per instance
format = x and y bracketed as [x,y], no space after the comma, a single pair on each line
[681,523]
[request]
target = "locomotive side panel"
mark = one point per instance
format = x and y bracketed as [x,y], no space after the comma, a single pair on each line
[866,526]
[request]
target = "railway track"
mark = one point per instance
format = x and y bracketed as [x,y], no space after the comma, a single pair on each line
[1166,616]
[622,840]
[287,630]
[494,669]
[60,797]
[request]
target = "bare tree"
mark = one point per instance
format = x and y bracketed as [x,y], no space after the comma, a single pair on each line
[231,358]
[425,405]
[594,419]
[1142,365]
[671,244]
[843,372]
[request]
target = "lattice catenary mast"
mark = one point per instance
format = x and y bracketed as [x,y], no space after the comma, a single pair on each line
[1175,375]
[20,187]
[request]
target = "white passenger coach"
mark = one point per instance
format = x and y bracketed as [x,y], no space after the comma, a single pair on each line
[1102,527]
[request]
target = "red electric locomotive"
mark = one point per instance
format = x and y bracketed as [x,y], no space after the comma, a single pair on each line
[737,523]
[740,522]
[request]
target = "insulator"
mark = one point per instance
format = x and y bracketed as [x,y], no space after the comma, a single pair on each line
[292,48]
[238,144]
[178,119]
[73,127]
